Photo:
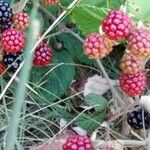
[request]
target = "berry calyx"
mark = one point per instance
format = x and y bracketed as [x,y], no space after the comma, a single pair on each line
[2,68]
[42,55]
[133,84]
[130,63]
[139,42]
[5,11]
[139,119]
[12,40]
[116,25]
[78,143]
[21,20]
[97,46]
[51,2]
[12,61]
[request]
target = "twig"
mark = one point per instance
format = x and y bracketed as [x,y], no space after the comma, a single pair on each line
[125,143]
[108,80]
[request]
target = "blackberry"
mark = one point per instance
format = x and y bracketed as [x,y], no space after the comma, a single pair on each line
[12,61]
[78,143]
[138,118]
[42,55]
[6,25]
[5,11]
[117,25]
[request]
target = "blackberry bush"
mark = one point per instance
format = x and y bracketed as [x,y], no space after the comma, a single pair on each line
[84,69]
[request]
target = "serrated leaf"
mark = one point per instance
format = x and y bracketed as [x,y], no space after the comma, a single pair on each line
[88,18]
[55,83]
[140,9]
[96,100]
[75,47]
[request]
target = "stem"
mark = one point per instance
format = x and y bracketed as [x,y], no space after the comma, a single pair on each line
[54,34]
[125,143]
[107,2]
[115,94]
[11,137]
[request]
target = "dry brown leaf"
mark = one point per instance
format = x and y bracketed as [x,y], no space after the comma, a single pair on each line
[18,7]
[98,85]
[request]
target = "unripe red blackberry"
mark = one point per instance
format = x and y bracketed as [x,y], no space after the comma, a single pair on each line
[130,63]
[21,20]
[2,68]
[42,55]
[116,25]
[12,40]
[133,84]
[5,11]
[78,143]
[51,2]
[97,46]
[12,61]
[139,119]
[139,42]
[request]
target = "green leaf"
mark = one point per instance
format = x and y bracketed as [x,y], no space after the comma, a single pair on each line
[90,123]
[88,18]
[55,82]
[111,4]
[93,121]
[96,100]
[74,47]
[140,9]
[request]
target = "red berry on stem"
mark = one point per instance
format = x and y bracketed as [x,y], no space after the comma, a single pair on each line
[97,46]
[12,40]
[139,42]
[21,20]
[133,84]
[130,63]
[42,55]
[78,143]
[117,25]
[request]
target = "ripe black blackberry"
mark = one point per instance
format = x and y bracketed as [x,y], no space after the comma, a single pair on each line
[139,119]
[6,25]
[12,61]
[5,11]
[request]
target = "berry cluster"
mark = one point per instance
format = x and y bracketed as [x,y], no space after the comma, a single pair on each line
[117,26]
[13,40]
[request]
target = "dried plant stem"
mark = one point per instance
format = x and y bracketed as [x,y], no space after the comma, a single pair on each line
[61,26]
[125,143]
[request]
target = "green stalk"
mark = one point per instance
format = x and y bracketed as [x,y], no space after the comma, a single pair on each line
[115,94]
[11,137]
